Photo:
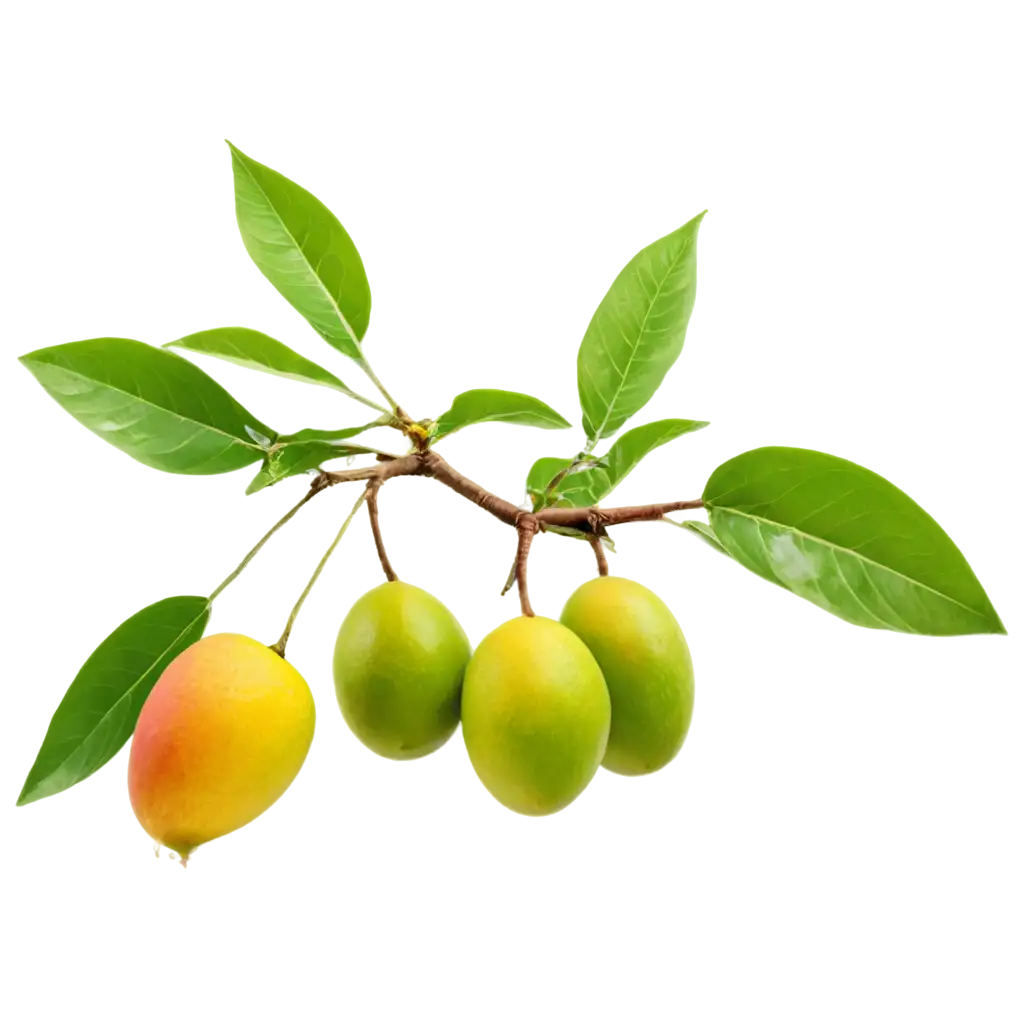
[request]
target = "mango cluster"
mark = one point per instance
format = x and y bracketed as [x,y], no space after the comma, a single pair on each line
[543,704]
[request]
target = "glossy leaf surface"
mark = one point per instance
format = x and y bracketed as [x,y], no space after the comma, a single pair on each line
[306,450]
[486,405]
[847,540]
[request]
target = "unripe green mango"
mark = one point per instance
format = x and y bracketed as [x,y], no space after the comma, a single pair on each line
[646,664]
[535,715]
[399,661]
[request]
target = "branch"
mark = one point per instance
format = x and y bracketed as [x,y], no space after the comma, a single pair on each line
[588,520]
[371,503]
[501,509]
[404,465]
[592,520]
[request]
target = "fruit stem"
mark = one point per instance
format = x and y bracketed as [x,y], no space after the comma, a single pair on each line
[279,647]
[314,490]
[371,503]
[602,561]
[527,527]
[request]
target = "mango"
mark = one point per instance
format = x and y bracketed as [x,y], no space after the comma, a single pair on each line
[221,736]
[399,661]
[645,662]
[535,715]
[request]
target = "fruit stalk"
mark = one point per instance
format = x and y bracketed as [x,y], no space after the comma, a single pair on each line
[602,560]
[282,643]
[311,493]
[371,504]
[527,529]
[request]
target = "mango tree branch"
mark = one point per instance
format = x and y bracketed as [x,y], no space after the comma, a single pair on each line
[501,509]
[592,521]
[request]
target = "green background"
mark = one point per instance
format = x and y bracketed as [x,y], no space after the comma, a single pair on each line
[115,216]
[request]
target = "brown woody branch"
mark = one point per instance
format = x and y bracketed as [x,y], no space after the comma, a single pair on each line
[592,520]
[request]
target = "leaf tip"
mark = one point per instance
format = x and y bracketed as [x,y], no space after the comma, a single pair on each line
[236,153]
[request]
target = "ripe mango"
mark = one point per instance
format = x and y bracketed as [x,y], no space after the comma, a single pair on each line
[535,715]
[220,737]
[646,664]
[399,661]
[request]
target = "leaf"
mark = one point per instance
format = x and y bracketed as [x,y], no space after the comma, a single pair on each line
[636,443]
[705,536]
[542,472]
[637,332]
[100,709]
[304,252]
[293,460]
[254,353]
[847,540]
[152,404]
[488,405]
[591,486]
[333,435]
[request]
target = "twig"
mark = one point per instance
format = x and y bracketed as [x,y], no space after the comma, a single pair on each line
[435,466]
[404,465]
[506,587]
[371,503]
[594,518]
[429,463]
[592,521]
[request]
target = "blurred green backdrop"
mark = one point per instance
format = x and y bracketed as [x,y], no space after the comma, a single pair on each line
[116,221]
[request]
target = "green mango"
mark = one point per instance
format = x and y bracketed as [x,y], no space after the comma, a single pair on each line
[535,715]
[646,665]
[399,661]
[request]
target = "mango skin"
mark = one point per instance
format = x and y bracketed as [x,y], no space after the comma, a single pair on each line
[535,715]
[646,664]
[399,661]
[220,738]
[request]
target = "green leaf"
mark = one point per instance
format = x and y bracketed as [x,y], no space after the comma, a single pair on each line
[333,435]
[636,443]
[254,353]
[542,472]
[591,486]
[293,460]
[847,540]
[705,536]
[152,404]
[488,405]
[100,709]
[637,332]
[304,252]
